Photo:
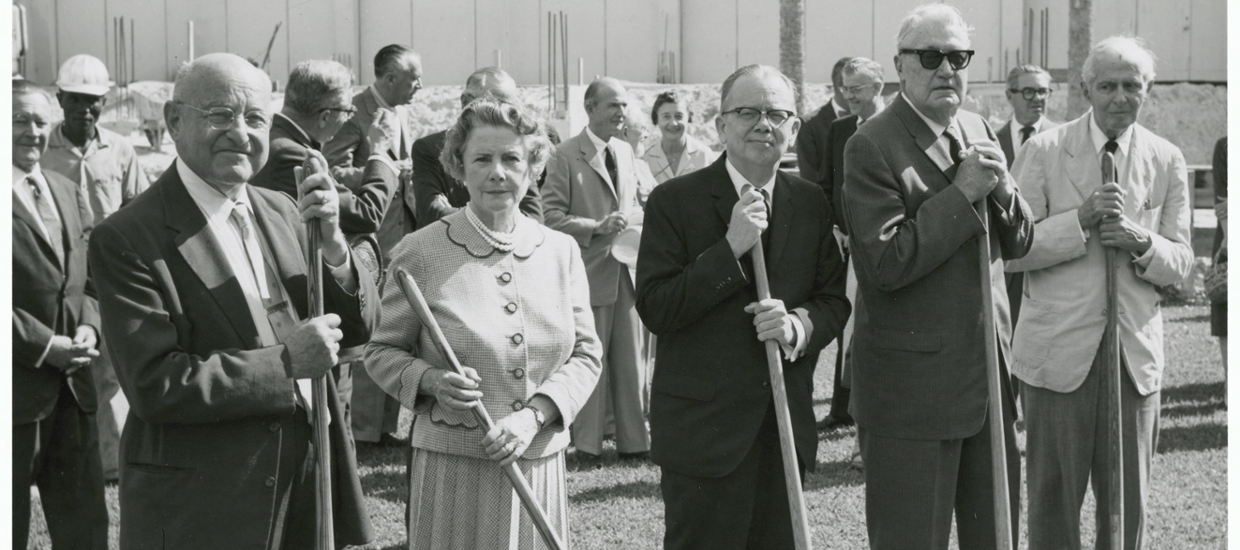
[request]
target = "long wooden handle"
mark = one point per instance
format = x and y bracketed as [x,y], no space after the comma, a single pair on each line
[787,448]
[324,538]
[1111,378]
[420,308]
[998,445]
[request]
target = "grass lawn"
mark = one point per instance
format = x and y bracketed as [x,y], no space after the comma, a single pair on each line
[618,505]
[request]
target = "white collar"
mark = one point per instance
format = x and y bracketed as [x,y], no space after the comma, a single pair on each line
[19,174]
[935,127]
[214,205]
[1100,139]
[839,111]
[739,181]
[598,142]
[383,104]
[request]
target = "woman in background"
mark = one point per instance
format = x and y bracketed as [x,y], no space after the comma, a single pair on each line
[676,153]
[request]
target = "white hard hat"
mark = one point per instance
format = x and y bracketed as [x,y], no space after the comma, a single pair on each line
[83,74]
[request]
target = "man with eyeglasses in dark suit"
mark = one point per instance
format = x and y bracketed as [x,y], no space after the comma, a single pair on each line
[915,178]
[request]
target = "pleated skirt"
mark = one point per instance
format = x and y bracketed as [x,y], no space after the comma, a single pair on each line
[462,503]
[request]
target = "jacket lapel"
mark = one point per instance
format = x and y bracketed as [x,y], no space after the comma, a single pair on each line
[70,217]
[205,256]
[781,217]
[926,141]
[282,243]
[372,109]
[722,190]
[590,154]
[1084,168]
[1136,177]
[29,218]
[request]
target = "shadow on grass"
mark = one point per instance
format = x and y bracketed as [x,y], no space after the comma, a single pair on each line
[384,472]
[1200,437]
[1190,319]
[633,490]
[833,474]
[1193,400]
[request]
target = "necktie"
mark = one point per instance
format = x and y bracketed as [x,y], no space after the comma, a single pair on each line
[1025,132]
[279,312]
[609,160]
[1109,175]
[953,144]
[766,202]
[47,212]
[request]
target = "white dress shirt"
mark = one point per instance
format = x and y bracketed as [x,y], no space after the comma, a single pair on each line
[1015,128]
[799,317]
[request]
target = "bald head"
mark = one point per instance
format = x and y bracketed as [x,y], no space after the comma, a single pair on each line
[489,82]
[219,118]
[217,73]
[606,101]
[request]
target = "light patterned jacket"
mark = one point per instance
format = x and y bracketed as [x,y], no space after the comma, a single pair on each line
[521,319]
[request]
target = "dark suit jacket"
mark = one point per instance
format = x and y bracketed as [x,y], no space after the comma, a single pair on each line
[360,211]
[833,166]
[712,388]
[1005,138]
[812,147]
[347,153]
[203,438]
[49,299]
[438,194]
[919,341]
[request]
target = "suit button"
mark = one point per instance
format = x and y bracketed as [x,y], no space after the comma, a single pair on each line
[517,406]
[271,482]
[505,278]
[517,338]
[519,373]
[275,427]
[766,384]
[511,307]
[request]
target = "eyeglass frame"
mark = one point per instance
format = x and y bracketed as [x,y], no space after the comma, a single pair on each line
[350,110]
[206,113]
[762,115]
[854,90]
[1032,93]
[946,56]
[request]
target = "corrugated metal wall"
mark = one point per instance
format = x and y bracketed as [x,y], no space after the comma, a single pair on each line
[621,38]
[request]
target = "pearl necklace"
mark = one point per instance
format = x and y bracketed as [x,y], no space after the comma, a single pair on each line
[500,240]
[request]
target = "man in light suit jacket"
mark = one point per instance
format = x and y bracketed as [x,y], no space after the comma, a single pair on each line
[590,192]
[202,284]
[437,193]
[811,141]
[920,180]
[1029,88]
[398,77]
[1144,215]
[55,334]
[712,411]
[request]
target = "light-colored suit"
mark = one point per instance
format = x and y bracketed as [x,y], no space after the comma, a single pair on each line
[577,195]
[1056,349]
[1065,294]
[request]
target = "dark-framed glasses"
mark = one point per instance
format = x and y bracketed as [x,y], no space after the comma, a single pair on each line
[932,59]
[1033,93]
[350,110]
[857,90]
[750,116]
[222,118]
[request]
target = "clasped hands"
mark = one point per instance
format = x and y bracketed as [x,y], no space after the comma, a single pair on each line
[983,171]
[510,436]
[1104,209]
[69,355]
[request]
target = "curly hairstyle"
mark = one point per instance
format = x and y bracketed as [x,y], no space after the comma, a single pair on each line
[670,96]
[488,111]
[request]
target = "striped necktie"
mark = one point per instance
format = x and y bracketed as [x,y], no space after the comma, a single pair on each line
[47,213]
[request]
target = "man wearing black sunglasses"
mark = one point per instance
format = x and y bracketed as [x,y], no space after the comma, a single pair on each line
[920,178]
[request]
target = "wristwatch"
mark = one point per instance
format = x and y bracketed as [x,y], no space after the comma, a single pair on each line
[539,417]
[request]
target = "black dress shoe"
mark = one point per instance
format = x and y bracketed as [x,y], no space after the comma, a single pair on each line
[832,423]
[392,440]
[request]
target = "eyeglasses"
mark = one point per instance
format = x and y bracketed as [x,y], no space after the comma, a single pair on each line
[222,118]
[347,110]
[932,59]
[1030,93]
[854,90]
[750,116]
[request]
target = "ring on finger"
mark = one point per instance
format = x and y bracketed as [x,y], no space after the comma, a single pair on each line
[323,199]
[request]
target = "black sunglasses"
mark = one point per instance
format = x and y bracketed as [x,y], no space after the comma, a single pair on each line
[932,59]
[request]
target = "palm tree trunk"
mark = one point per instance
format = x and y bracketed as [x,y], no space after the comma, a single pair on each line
[792,46]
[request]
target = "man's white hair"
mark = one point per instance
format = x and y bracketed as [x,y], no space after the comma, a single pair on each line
[1126,48]
[944,14]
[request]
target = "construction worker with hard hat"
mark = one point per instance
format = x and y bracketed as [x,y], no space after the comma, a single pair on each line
[105,168]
